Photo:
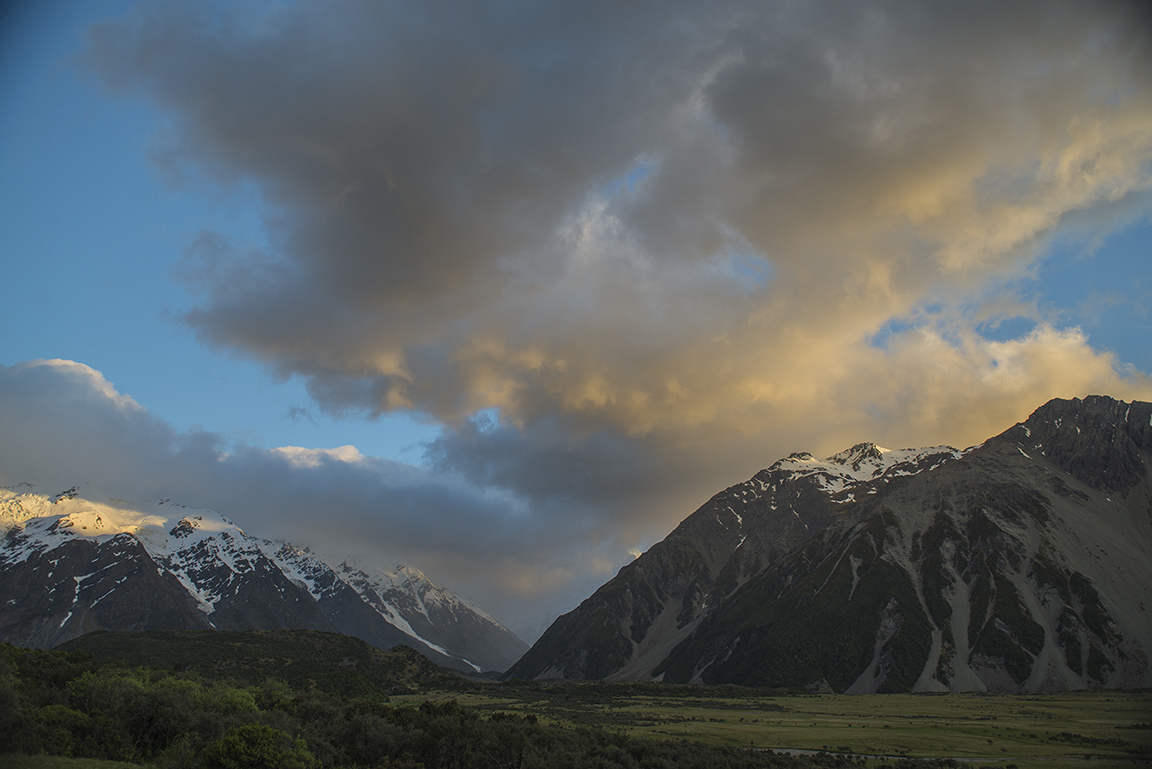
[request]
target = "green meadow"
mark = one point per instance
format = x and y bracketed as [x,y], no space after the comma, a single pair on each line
[1052,730]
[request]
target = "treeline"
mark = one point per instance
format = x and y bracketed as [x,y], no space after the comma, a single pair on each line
[304,659]
[71,704]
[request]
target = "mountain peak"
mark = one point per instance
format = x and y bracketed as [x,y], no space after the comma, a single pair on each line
[185,527]
[1092,410]
[858,454]
[206,524]
[408,571]
[1097,440]
[68,494]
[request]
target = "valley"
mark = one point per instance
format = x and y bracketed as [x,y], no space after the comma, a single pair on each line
[352,702]
[187,696]
[1050,730]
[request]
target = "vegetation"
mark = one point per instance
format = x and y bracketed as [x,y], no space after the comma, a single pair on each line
[71,704]
[18,761]
[980,729]
[304,659]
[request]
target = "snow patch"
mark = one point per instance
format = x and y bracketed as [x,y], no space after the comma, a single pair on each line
[855,563]
[840,474]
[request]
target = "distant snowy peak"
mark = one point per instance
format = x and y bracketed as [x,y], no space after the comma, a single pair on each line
[852,475]
[422,609]
[867,461]
[860,454]
[400,603]
[414,578]
[235,580]
[35,523]
[191,525]
[404,584]
[46,519]
[431,594]
[92,518]
[300,566]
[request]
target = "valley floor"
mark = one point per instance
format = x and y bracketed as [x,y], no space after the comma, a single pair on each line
[1049,731]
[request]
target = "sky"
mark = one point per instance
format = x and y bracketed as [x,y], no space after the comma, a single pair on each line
[505,290]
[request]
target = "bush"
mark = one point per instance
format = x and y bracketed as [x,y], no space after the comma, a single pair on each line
[256,746]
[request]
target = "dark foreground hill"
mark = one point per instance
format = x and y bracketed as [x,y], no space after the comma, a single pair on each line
[304,659]
[1023,564]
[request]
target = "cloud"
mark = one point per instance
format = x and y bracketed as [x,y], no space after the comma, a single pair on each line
[659,241]
[298,413]
[450,232]
[299,456]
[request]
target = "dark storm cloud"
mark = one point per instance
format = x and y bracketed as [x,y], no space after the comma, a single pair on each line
[549,462]
[659,238]
[408,148]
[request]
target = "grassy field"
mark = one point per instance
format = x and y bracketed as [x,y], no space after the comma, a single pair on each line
[17,761]
[1032,731]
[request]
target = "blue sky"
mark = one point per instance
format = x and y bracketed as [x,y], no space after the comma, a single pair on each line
[93,236]
[557,278]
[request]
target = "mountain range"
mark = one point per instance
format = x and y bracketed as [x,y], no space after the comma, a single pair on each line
[69,566]
[1023,564]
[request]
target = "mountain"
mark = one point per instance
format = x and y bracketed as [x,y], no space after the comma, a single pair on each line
[422,609]
[1023,564]
[69,566]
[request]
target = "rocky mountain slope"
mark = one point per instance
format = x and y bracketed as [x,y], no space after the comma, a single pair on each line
[1021,564]
[69,566]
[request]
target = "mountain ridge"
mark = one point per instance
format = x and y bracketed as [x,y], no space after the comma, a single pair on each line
[69,565]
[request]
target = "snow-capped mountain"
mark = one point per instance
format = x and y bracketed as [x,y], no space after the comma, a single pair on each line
[1022,564]
[70,565]
[422,608]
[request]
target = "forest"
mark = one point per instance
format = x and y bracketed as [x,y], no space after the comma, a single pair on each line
[69,703]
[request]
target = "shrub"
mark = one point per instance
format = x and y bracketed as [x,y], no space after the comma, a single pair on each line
[256,746]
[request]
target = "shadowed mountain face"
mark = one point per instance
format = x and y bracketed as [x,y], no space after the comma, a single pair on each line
[1022,564]
[69,566]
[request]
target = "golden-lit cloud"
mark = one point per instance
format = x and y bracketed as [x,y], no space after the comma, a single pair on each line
[302,457]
